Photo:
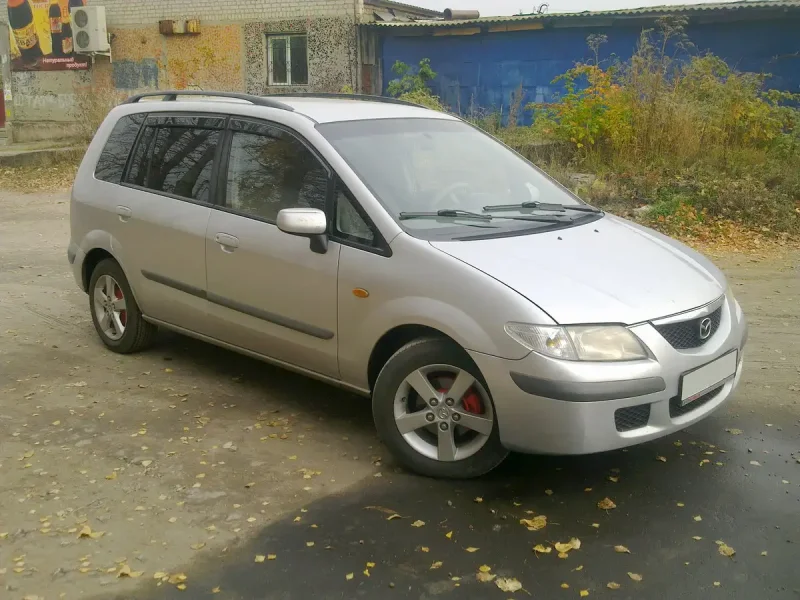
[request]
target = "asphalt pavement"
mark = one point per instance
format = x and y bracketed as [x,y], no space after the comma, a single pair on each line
[732,479]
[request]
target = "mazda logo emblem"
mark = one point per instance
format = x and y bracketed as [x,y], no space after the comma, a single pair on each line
[705,328]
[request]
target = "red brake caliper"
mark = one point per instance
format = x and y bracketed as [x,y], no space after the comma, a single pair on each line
[471,401]
[123,314]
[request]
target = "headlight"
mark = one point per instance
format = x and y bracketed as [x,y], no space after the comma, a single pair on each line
[579,342]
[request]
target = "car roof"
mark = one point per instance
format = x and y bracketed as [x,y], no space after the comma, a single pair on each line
[320,108]
[329,110]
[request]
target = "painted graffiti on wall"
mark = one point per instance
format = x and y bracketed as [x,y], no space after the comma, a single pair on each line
[41,35]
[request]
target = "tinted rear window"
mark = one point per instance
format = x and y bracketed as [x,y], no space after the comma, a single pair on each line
[112,160]
[181,162]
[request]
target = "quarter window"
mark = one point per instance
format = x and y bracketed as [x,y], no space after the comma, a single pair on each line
[112,160]
[350,225]
[288,59]
[270,170]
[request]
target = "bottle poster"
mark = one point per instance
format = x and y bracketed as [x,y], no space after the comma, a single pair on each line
[41,36]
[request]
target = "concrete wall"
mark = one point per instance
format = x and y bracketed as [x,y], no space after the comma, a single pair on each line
[482,71]
[229,54]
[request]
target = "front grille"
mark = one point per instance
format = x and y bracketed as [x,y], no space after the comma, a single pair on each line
[632,417]
[686,334]
[676,410]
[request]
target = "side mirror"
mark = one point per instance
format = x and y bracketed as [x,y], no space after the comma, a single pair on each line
[306,222]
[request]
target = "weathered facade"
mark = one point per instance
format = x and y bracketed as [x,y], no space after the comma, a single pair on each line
[242,45]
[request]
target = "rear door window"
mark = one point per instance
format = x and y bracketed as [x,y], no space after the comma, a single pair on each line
[175,156]
[111,164]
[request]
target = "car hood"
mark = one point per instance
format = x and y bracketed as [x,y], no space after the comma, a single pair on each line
[606,271]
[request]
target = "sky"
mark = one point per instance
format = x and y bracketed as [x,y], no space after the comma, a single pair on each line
[512,7]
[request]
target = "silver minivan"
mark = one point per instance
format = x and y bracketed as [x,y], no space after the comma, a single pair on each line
[405,255]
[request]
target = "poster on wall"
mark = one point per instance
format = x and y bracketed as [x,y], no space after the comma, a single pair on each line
[41,36]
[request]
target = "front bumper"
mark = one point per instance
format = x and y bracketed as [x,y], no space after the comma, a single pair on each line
[570,407]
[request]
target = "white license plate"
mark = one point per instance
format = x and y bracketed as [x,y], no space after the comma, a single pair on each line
[696,383]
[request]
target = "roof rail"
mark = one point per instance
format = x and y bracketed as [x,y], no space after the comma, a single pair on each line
[342,96]
[172,96]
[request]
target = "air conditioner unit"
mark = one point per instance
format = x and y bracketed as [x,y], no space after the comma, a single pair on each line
[89,32]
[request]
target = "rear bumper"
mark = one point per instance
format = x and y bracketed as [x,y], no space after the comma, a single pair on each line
[76,256]
[552,407]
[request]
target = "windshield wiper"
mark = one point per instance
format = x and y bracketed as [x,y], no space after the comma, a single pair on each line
[543,206]
[465,214]
[446,212]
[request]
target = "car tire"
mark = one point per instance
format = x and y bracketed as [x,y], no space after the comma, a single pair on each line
[420,450]
[115,313]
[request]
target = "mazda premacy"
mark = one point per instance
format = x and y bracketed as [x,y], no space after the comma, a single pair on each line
[405,255]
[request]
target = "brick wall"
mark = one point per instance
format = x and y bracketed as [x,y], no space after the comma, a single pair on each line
[138,12]
[229,54]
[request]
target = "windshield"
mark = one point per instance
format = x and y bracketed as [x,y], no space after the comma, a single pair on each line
[438,165]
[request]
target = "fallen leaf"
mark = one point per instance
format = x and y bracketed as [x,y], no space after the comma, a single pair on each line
[198,546]
[726,550]
[508,584]
[578,568]
[764,553]
[613,585]
[484,568]
[717,584]
[215,590]
[584,593]
[606,504]
[536,523]
[349,576]
[755,463]
[260,558]
[696,538]
[86,532]
[177,578]
[472,549]
[173,519]
[563,548]
[424,549]
[613,479]
[160,575]
[542,549]
[436,564]
[734,431]
[370,565]
[661,458]
[680,505]
[634,576]
[549,492]
[112,476]
[309,544]
[272,556]
[697,518]
[596,525]
[394,516]
[478,499]
[564,586]
[181,586]
[449,535]
[621,550]
[418,523]
[485,577]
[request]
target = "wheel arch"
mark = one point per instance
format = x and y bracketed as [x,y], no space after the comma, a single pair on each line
[394,339]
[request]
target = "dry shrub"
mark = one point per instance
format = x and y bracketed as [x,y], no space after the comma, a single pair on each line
[692,135]
[92,105]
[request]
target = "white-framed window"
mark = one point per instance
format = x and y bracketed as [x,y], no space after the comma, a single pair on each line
[287,59]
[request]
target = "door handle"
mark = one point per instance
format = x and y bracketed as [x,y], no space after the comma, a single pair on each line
[228,242]
[124,213]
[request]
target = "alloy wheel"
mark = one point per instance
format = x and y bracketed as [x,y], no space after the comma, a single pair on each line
[110,307]
[443,412]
